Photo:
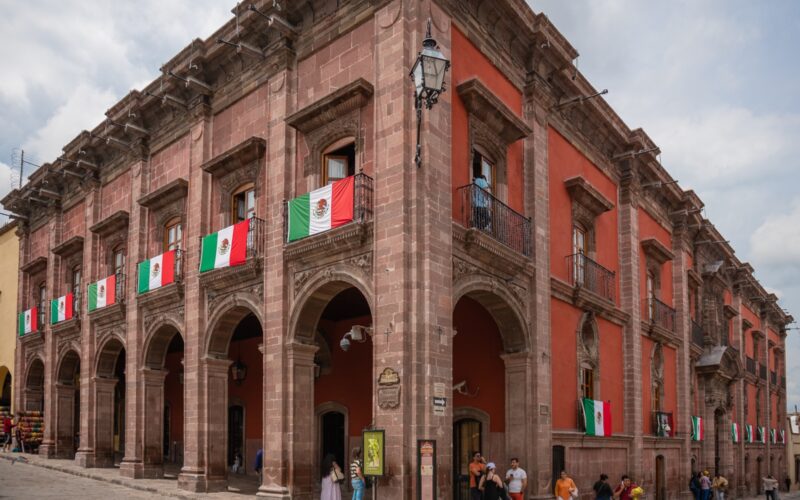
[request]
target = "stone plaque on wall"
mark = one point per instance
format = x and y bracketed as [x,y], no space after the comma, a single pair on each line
[389,397]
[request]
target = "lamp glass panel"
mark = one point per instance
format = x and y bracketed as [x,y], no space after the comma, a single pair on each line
[419,77]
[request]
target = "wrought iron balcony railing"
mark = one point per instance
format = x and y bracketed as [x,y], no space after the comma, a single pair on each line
[256,237]
[659,313]
[119,287]
[750,365]
[363,189]
[697,334]
[588,274]
[480,210]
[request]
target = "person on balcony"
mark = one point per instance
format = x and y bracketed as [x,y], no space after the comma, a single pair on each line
[480,203]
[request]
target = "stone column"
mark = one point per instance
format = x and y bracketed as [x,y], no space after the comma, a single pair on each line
[104,421]
[64,419]
[630,301]
[537,195]
[519,403]
[216,411]
[153,445]
[47,448]
[736,472]
[23,296]
[300,371]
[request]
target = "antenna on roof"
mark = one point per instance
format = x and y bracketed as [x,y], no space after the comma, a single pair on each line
[18,158]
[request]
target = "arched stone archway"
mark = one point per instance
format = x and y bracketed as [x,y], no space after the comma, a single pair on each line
[34,385]
[109,401]
[491,364]
[5,387]
[67,407]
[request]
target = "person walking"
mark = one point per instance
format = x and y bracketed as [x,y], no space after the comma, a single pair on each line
[517,480]
[491,485]
[332,477]
[694,485]
[259,465]
[770,485]
[357,475]
[476,469]
[705,486]
[602,490]
[720,486]
[565,487]
[625,488]
[8,426]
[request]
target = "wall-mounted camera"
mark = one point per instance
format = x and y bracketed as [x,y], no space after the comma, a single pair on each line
[357,333]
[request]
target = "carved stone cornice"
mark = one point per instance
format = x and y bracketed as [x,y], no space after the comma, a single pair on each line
[160,298]
[115,313]
[345,238]
[584,299]
[482,104]
[661,334]
[330,108]
[32,340]
[362,261]
[694,278]
[118,221]
[587,196]
[69,247]
[241,155]
[229,278]
[491,252]
[66,328]
[165,195]
[35,265]
[729,311]
[656,251]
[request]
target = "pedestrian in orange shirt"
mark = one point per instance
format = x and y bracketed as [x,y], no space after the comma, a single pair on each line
[565,487]
[476,469]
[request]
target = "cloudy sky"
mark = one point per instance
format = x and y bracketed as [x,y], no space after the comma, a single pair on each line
[715,83]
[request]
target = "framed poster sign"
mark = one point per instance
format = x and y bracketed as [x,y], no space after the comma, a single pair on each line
[426,469]
[374,452]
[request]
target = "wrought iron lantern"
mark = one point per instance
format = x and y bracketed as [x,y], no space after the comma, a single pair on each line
[238,372]
[428,75]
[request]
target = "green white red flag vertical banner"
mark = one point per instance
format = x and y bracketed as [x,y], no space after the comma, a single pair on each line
[156,272]
[697,429]
[225,248]
[761,435]
[772,437]
[28,321]
[597,417]
[322,209]
[735,432]
[783,436]
[61,309]
[102,293]
[748,433]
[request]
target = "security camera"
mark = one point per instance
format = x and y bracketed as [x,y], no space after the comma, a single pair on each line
[344,344]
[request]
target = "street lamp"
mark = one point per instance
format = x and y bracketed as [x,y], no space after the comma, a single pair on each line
[428,76]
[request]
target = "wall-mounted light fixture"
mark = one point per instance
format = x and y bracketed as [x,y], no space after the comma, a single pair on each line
[428,75]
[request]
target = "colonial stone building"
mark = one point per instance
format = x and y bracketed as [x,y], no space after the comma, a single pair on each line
[478,319]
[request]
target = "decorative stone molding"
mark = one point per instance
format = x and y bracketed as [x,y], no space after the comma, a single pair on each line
[116,222]
[242,155]
[350,237]
[491,112]
[361,262]
[34,266]
[490,252]
[729,311]
[115,313]
[332,107]
[587,201]
[585,299]
[69,247]
[66,328]
[165,195]
[161,298]
[656,251]
[215,296]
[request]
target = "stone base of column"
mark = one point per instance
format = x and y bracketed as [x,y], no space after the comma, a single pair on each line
[47,450]
[274,492]
[89,459]
[196,481]
[64,454]
[130,468]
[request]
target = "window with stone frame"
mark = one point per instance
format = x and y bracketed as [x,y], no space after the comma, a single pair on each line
[118,258]
[482,164]
[243,203]
[339,160]
[587,204]
[74,286]
[173,234]
[588,357]
[656,254]
[41,300]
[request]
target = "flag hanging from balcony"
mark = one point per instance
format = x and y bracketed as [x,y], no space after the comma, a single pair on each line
[28,321]
[664,424]
[157,272]
[697,429]
[794,424]
[735,432]
[597,417]
[748,433]
[61,309]
[772,437]
[762,435]
[102,293]
[320,210]
[225,248]
[783,436]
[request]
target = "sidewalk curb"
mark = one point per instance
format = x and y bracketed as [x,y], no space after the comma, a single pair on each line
[132,484]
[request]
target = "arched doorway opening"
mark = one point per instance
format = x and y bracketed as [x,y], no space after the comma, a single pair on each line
[234,373]
[109,387]
[34,387]
[719,439]
[489,350]
[5,392]
[163,388]
[661,481]
[67,405]
[343,377]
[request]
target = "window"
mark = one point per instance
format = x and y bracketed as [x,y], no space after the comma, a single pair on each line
[42,304]
[339,161]
[244,203]
[656,396]
[650,290]
[481,165]
[587,382]
[173,235]
[579,249]
[119,270]
[75,287]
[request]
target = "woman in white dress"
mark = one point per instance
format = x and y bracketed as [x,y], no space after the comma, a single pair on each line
[332,477]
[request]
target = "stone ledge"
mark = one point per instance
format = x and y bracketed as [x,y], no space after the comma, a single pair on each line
[490,251]
[350,236]
[582,298]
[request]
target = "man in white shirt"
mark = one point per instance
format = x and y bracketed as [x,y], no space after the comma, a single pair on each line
[517,480]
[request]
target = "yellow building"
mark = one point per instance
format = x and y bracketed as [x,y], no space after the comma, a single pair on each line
[9,274]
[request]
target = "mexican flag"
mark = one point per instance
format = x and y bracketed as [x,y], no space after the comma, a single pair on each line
[28,322]
[157,272]
[748,433]
[762,434]
[597,416]
[320,210]
[225,248]
[102,293]
[61,309]
[772,437]
[783,437]
[735,432]
[664,424]
[697,429]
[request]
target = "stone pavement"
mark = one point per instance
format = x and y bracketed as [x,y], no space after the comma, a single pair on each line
[23,475]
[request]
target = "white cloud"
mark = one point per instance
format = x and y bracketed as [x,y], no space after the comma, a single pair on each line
[776,242]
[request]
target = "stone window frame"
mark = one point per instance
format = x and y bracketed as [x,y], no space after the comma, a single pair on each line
[656,254]
[588,204]
[341,142]
[493,128]
[657,376]
[588,353]
[166,221]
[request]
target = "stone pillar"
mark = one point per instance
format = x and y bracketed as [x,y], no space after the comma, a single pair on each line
[683,329]
[64,419]
[103,453]
[193,476]
[300,364]
[153,445]
[736,472]
[23,296]
[630,301]
[519,404]
[47,448]
[537,195]
[216,400]
[131,465]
